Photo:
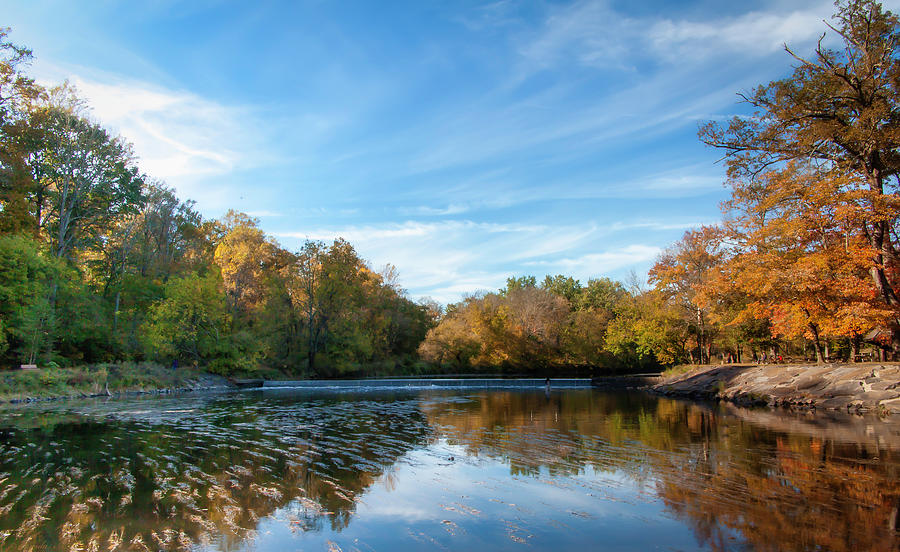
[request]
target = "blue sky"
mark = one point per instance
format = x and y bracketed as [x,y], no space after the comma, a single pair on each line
[462,142]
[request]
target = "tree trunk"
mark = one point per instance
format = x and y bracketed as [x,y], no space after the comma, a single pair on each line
[817,344]
[879,238]
[116,312]
[700,337]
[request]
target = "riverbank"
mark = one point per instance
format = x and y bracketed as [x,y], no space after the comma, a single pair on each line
[103,380]
[867,387]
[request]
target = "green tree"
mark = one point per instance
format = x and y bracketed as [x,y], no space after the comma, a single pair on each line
[518,282]
[564,286]
[192,321]
[87,176]
[26,277]
[650,330]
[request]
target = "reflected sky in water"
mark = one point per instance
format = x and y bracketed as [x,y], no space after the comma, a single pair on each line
[442,470]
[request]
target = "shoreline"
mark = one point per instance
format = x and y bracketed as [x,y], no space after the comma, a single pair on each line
[860,388]
[120,394]
[103,380]
[854,388]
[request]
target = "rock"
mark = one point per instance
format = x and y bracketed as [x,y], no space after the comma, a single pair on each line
[875,396]
[845,388]
[850,387]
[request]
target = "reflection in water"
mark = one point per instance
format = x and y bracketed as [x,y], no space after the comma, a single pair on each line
[451,469]
[719,473]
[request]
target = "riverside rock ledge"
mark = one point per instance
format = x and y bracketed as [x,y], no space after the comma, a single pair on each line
[850,387]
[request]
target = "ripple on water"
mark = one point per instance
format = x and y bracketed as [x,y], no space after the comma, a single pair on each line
[449,469]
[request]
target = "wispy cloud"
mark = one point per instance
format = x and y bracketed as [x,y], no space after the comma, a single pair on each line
[756,33]
[594,34]
[604,261]
[452,209]
[447,259]
[263,213]
[178,136]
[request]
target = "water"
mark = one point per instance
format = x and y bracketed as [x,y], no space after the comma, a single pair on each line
[442,470]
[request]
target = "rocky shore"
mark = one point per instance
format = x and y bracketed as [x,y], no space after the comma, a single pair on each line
[860,388]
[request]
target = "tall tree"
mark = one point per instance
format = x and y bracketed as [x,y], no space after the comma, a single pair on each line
[680,273]
[15,86]
[800,257]
[17,92]
[90,177]
[841,109]
[244,255]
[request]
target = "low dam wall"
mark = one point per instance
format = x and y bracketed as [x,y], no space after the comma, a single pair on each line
[430,383]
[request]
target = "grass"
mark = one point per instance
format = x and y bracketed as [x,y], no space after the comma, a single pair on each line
[679,369]
[93,379]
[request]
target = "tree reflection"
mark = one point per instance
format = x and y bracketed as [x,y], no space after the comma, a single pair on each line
[138,486]
[727,476]
[158,476]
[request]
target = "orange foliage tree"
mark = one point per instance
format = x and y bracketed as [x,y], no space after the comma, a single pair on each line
[800,258]
[841,110]
[680,274]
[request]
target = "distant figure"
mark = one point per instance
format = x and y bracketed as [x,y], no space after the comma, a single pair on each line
[175,364]
[764,358]
[547,385]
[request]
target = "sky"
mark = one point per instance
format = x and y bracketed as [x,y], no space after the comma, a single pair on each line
[462,142]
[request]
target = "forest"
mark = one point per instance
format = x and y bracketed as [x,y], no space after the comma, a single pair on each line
[100,262]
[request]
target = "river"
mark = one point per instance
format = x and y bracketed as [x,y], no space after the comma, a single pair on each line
[452,469]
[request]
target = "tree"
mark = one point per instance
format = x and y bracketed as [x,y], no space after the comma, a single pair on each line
[601,293]
[650,330]
[244,256]
[452,340]
[519,282]
[29,324]
[682,270]
[86,177]
[537,319]
[15,86]
[564,286]
[839,109]
[800,258]
[191,321]
[17,92]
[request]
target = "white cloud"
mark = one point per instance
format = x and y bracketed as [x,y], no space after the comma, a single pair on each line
[599,263]
[594,34]
[451,209]
[178,136]
[756,33]
[263,213]
[449,259]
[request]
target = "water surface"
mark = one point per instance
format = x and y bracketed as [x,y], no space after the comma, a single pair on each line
[442,470]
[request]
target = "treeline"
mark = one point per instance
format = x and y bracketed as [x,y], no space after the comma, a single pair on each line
[529,327]
[803,266]
[99,262]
